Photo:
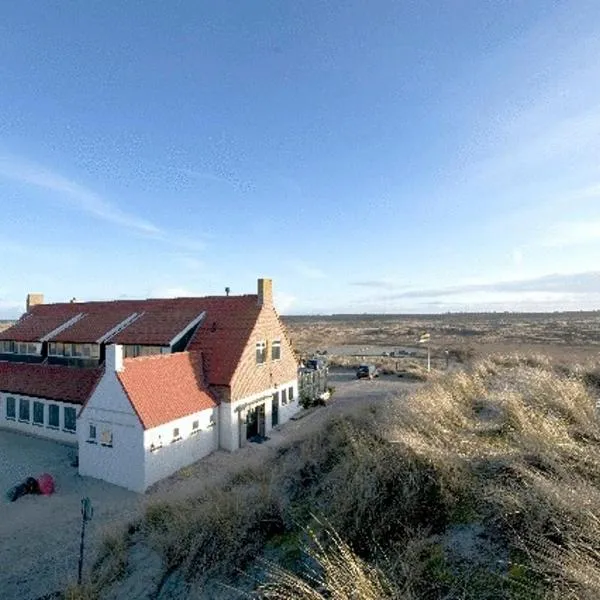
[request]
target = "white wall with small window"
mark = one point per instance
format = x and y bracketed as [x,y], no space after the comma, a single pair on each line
[51,419]
[111,437]
[179,443]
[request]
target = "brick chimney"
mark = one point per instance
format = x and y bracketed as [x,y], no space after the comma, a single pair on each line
[114,358]
[265,292]
[33,300]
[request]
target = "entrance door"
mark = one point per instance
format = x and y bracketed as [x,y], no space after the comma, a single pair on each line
[262,420]
[252,424]
[275,410]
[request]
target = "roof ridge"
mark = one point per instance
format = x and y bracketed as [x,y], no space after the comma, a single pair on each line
[157,356]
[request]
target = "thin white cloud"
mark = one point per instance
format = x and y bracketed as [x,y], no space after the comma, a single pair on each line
[83,199]
[72,193]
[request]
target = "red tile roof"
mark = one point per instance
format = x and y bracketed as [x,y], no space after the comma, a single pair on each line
[165,387]
[221,337]
[95,323]
[224,334]
[161,321]
[54,382]
[32,326]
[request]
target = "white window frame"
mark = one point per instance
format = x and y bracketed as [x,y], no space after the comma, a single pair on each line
[22,403]
[50,426]
[14,407]
[106,438]
[276,344]
[43,421]
[65,428]
[261,346]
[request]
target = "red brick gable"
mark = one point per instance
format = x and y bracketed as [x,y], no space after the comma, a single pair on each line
[53,382]
[251,378]
[165,387]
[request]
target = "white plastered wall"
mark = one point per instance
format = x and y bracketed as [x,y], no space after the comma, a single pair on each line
[232,426]
[165,454]
[110,411]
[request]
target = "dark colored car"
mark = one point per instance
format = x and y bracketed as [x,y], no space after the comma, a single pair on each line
[316,364]
[367,372]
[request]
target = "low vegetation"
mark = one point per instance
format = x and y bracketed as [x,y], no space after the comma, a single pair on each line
[484,484]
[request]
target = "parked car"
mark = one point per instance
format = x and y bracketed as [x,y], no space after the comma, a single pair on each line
[315,364]
[367,372]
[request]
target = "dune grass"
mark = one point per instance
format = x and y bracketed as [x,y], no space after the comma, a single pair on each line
[482,485]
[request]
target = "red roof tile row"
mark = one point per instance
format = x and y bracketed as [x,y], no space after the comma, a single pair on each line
[165,387]
[53,382]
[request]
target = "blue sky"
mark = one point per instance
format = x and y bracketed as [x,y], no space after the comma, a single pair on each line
[386,156]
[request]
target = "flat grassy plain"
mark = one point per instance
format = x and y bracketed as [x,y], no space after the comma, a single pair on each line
[572,336]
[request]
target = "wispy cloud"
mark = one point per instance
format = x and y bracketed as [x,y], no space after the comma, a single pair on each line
[574,283]
[72,193]
[382,284]
[83,199]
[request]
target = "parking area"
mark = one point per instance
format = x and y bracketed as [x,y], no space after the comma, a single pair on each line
[39,535]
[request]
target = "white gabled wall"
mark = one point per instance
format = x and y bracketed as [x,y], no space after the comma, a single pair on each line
[109,410]
[232,426]
[164,455]
[42,430]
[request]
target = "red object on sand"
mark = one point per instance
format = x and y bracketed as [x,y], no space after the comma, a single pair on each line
[46,483]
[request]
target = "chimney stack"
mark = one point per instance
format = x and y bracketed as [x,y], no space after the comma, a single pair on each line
[114,358]
[33,300]
[265,292]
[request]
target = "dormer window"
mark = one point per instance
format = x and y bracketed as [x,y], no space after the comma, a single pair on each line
[261,352]
[7,347]
[12,347]
[276,350]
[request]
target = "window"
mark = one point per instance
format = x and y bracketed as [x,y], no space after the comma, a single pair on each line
[7,346]
[53,418]
[24,410]
[195,426]
[94,351]
[106,438]
[290,394]
[276,350]
[284,396]
[261,352]
[67,349]
[176,436]
[70,419]
[92,433]
[11,408]
[38,413]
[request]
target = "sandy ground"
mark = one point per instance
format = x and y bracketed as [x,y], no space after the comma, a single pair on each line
[39,536]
